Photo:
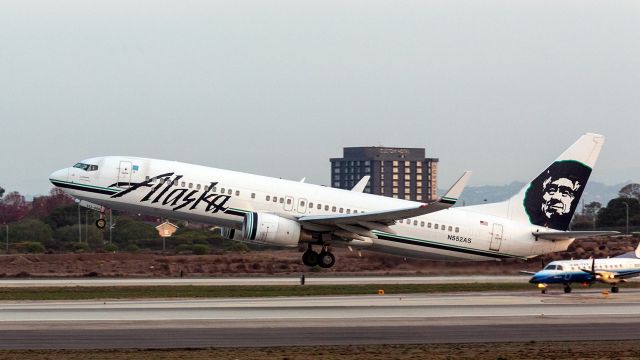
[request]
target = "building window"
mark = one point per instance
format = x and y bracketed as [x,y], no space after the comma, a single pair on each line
[407,184]
[418,197]
[395,170]
[407,170]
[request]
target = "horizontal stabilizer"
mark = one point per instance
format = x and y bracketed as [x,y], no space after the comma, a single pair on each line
[565,235]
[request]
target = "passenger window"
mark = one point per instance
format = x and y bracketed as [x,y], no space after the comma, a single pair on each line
[206,188]
[268,198]
[213,189]
[421,223]
[198,187]
[311,205]
[326,208]
[333,208]
[281,200]
[222,190]
[319,206]
[146,178]
[253,195]
[229,192]
[190,185]
[435,226]
[288,201]
[450,228]
[443,227]
[275,199]
[302,203]
[415,222]
[237,192]
[183,184]
[175,182]
[457,229]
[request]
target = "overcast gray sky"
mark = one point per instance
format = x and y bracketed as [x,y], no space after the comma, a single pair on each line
[279,87]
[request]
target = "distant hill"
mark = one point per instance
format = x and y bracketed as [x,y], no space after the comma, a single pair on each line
[474,195]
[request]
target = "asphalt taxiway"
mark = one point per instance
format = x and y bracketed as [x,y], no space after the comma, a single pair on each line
[326,320]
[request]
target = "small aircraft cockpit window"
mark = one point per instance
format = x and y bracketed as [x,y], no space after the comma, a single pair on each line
[550,267]
[559,267]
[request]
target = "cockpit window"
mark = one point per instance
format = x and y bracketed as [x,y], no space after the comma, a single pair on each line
[559,267]
[86,167]
[550,267]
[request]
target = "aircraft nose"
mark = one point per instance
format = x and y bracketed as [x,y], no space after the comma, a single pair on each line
[59,175]
[534,279]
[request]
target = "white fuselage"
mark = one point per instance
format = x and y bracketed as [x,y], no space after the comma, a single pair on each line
[221,197]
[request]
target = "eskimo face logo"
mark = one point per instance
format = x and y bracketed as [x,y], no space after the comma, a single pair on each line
[165,193]
[552,197]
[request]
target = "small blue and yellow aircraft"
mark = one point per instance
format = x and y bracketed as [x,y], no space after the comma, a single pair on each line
[612,271]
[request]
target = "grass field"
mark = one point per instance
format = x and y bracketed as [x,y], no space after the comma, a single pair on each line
[151,292]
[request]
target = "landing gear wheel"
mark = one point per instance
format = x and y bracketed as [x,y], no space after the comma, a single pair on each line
[310,258]
[544,291]
[326,259]
[567,289]
[101,223]
[615,289]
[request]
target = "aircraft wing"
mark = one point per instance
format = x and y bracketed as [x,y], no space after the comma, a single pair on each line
[564,235]
[628,274]
[373,219]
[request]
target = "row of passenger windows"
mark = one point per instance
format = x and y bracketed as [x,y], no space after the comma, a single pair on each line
[430,225]
[191,185]
[573,267]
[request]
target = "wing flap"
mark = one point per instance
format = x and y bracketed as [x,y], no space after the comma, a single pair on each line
[565,235]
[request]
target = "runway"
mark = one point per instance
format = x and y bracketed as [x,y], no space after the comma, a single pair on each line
[326,320]
[310,279]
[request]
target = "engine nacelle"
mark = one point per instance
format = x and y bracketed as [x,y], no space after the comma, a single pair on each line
[271,229]
[232,234]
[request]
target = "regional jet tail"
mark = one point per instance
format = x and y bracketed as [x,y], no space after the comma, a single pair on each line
[272,211]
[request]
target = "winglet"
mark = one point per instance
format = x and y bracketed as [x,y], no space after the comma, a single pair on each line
[452,195]
[361,184]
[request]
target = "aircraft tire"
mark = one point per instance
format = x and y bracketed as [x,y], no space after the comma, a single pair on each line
[326,259]
[310,258]
[567,289]
[544,291]
[101,223]
[615,289]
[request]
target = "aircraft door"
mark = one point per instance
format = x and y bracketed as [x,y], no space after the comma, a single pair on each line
[302,205]
[288,203]
[496,237]
[124,173]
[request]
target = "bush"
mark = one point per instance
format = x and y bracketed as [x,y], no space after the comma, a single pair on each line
[111,248]
[200,249]
[80,247]
[30,230]
[237,247]
[132,248]
[31,247]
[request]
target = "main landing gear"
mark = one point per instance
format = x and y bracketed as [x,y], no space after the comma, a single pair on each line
[567,288]
[324,259]
[615,289]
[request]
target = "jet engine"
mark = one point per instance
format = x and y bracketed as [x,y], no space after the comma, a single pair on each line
[271,229]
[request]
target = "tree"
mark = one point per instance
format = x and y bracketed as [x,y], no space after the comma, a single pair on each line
[42,206]
[13,208]
[1,192]
[630,191]
[591,209]
[616,211]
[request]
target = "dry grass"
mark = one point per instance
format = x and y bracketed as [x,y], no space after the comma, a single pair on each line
[529,350]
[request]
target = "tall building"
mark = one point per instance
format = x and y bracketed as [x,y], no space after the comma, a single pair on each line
[402,173]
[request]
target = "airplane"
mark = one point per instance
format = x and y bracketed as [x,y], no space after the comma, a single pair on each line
[612,271]
[265,210]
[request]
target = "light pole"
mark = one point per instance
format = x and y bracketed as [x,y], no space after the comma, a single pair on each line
[627,217]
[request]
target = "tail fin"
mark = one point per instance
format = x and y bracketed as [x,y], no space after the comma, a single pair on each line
[553,196]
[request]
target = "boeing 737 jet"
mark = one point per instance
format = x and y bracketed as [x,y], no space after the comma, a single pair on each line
[612,271]
[272,211]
